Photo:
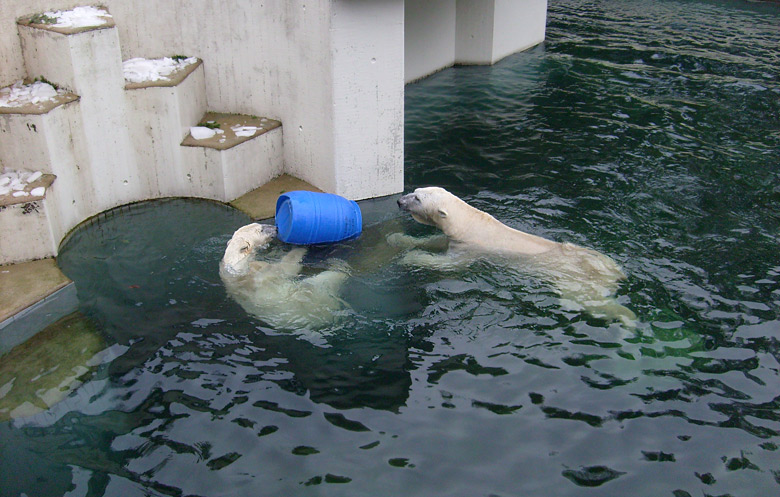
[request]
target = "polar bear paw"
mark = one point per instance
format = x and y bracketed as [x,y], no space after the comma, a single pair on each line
[401,241]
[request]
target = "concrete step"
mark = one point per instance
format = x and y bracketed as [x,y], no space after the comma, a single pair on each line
[40,130]
[85,59]
[163,109]
[111,138]
[242,153]
[25,222]
[260,203]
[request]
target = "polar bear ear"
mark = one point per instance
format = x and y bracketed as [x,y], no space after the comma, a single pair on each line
[442,213]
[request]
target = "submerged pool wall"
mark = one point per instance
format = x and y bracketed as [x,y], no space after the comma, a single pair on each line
[330,72]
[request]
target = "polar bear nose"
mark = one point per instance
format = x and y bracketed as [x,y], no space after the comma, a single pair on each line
[403,202]
[269,229]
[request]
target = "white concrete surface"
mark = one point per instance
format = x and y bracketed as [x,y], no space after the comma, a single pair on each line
[70,197]
[429,43]
[517,25]
[367,67]
[26,232]
[162,116]
[474,31]
[442,33]
[278,59]
[23,141]
[89,64]
[262,155]
[53,143]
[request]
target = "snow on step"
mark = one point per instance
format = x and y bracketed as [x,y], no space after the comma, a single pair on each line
[23,185]
[140,70]
[76,19]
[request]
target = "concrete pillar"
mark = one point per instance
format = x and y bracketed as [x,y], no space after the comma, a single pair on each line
[367,64]
[89,63]
[489,30]
[429,38]
[163,112]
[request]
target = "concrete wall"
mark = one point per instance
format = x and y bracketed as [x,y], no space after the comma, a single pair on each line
[518,25]
[277,58]
[331,70]
[441,33]
[430,37]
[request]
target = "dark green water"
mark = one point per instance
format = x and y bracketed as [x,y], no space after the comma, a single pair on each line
[647,130]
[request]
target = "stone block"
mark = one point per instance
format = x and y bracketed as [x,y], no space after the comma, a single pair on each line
[25,225]
[49,137]
[88,62]
[244,153]
[163,112]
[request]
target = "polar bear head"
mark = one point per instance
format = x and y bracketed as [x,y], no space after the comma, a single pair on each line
[435,206]
[246,240]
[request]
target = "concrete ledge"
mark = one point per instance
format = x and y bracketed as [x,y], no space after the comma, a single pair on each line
[35,318]
[37,21]
[260,203]
[41,107]
[45,181]
[173,79]
[24,285]
[228,165]
[26,226]
[228,139]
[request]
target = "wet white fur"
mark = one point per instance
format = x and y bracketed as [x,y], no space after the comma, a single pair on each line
[273,291]
[585,278]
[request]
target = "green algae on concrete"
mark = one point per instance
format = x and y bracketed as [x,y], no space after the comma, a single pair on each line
[46,368]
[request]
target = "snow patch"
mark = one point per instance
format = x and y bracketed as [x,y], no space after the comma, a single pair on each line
[79,17]
[16,183]
[242,131]
[202,132]
[140,70]
[20,94]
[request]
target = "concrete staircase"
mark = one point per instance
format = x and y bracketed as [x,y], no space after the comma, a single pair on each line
[104,142]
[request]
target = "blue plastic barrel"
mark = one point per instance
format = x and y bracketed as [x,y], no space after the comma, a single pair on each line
[305,218]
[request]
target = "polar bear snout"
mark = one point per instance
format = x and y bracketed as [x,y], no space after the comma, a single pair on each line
[405,201]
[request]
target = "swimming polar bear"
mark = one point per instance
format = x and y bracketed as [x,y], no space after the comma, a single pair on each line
[273,292]
[583,277]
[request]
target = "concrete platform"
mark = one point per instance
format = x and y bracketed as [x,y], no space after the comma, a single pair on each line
[22,285]
[32,296]
[260,203]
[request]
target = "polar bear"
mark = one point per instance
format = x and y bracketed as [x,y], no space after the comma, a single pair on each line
[274,292]
[585,278]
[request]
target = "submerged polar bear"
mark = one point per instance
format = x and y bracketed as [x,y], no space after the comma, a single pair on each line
[582,276]
[274,292]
